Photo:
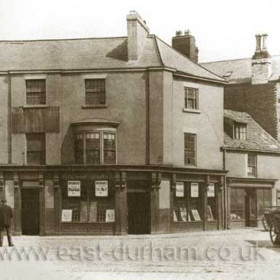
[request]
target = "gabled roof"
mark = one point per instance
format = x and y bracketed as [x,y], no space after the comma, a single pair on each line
[94,53]
[257,138]
[241,69]
[174,59]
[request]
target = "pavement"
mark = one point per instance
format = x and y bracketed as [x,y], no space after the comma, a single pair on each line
[230,254]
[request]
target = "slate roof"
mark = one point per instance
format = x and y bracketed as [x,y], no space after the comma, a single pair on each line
[241,69]
[257,138]
[174,59]
[94,53]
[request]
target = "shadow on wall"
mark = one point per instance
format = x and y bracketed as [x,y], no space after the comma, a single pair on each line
[67,149]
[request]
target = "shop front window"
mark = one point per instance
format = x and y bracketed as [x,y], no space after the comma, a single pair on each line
[211,213]
[187,206]
[263,201]
[237,204]
[88,201]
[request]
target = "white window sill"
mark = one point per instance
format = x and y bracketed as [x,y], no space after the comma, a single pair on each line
[194,111]
[39,106]
[94,106]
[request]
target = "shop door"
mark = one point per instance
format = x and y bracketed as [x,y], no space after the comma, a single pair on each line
[139,216]
[30,212]
[251,208]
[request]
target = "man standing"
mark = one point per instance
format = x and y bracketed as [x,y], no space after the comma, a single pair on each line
[6,214]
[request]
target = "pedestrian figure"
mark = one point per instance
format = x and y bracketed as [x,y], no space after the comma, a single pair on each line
[6,214]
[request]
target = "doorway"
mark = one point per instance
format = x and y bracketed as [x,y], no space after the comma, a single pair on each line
[251,219]
[139,212]
[30,212]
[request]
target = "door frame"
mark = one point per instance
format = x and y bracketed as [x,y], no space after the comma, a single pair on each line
[149,219]
[250,195]
[25,185]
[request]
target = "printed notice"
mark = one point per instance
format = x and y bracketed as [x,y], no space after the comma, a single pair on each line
[74,188]
[101,188]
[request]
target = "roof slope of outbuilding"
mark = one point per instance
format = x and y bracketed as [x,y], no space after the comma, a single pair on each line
[257,138]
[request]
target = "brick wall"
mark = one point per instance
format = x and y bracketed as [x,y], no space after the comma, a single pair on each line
[260,101]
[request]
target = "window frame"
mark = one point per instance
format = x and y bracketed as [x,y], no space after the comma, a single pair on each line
[101,133]
[42,95]
[189,150]
[95,90]
[254,166]
[240,131]
[195,100]
[42,151]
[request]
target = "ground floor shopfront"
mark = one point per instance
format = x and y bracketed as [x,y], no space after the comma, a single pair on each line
[247,199]
[113,200]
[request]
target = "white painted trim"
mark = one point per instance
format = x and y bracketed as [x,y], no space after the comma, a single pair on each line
[190,130]
[95,76]
[35,77]
[191,85]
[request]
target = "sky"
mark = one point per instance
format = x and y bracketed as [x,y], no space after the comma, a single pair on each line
[223,29]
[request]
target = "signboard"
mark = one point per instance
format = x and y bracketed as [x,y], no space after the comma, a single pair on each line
[211,190]
[66,215]
[74,188]
[179,189]
[101,188]
[194,190]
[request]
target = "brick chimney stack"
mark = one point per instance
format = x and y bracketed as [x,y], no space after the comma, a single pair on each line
[185,44]
[261,61]
[137,32]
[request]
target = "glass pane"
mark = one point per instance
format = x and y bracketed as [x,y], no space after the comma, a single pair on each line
[237,204]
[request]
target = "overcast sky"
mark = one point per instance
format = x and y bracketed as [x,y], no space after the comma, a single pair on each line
[224,29]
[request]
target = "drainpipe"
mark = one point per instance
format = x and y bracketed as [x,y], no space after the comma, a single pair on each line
[9,124]
[225,193]
[147,117]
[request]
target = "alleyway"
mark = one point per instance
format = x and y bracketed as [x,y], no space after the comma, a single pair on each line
[235,254]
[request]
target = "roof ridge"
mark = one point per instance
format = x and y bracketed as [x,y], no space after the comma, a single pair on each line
[157,48]
[234,59]
[198,64]
[65,39]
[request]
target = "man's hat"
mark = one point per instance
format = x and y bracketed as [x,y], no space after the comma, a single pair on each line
[4,200]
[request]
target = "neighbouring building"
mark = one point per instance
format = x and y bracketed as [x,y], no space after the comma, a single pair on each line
[115,135]
[252,157]
[253,85]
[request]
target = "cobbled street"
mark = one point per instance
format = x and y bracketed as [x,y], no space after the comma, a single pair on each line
[233,254]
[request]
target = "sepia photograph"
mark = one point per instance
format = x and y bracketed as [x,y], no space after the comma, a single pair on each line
[139,140]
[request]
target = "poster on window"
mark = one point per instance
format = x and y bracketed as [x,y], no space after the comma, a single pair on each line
[101,188]
[110,215]
[74,188]
[179,189]
[211,190]
[66,215]
[194,190]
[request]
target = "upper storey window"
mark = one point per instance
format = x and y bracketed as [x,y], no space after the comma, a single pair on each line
[95,147]
[191,98]
[240,131]
[95,91]
[36,92]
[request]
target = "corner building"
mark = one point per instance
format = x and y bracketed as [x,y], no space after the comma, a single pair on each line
[110,136]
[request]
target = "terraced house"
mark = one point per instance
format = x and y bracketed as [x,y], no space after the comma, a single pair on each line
[115,135]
